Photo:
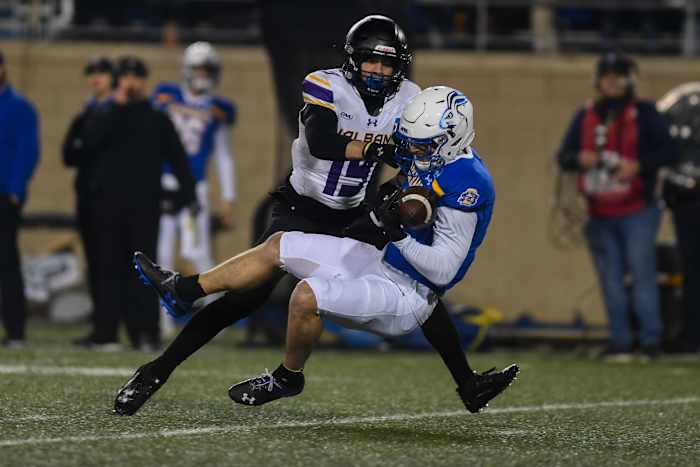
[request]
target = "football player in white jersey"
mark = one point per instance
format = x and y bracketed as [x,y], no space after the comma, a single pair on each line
[389,291]
[344,132]
[203,120]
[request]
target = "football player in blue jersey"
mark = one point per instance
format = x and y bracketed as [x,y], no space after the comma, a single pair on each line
[389,291]
[203,120]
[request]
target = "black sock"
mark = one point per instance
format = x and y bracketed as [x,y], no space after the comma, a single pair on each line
[208,322]
[188,288]
[293,378]
[442,335]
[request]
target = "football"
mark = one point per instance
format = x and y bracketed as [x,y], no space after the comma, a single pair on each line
[417,207]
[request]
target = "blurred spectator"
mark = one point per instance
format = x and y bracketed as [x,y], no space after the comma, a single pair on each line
[682,194]
[99,73]
[617,143]
[171,35]
[131,142]
[19,154]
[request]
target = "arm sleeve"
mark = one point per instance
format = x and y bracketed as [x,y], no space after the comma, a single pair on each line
[27,155]
[567,156]
[175,154]
[73,142]
[441,261]
[225,163]
[656,148]
[321,131]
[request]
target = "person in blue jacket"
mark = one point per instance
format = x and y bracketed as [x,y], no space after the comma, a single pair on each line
[19,154]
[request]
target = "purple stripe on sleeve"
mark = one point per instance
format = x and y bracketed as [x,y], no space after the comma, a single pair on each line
[317,91]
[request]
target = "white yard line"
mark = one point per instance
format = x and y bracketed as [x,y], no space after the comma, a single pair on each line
[341,421]
[46,370]
[29,418]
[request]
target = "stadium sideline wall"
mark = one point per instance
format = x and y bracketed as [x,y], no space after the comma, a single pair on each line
[523,104]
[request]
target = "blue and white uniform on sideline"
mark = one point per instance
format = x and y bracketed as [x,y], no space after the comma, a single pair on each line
[203,123]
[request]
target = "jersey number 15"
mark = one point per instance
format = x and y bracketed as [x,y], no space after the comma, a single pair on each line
[359,170]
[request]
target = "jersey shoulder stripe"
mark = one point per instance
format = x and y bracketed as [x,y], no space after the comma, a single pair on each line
[318,90]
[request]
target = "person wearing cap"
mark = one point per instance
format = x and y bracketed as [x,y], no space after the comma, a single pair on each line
[131,142]
[19,155]
[99,74]
[616,143]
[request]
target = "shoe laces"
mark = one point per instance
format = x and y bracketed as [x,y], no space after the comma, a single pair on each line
[265,381]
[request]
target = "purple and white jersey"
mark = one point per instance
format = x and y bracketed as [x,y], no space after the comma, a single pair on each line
[342,184]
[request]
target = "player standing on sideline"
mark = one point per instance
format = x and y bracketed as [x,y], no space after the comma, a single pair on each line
[344,130]
[99,73]
[19,155]
[389,291]
[203,121]
[132,141]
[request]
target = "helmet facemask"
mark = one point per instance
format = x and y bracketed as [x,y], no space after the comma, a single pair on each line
[202,79]
[374,84]
[421,153]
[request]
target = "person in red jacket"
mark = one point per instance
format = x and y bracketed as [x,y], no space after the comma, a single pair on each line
[617,143]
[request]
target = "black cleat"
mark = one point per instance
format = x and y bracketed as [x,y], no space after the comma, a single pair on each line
[265,388]
[137,391]
[163,282]
[477,393]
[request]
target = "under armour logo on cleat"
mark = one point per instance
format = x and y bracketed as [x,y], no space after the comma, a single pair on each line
[249,400]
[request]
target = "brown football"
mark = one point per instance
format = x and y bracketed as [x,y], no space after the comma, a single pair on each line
[417,207]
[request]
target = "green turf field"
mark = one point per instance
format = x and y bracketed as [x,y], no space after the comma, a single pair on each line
[359,408]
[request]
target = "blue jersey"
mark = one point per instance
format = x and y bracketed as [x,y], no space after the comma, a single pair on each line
[196,119]
[19,142]
[464,184]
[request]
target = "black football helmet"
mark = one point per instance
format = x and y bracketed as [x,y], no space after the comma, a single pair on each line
[380,37]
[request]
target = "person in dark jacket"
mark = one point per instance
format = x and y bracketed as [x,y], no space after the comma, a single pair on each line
[681,191]
[99,73]
[131,141]
[19,155]
[617,143]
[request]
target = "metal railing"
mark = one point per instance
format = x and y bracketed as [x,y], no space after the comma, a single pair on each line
[471,26]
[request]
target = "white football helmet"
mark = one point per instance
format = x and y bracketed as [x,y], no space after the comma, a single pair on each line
[201,55]
[435,127]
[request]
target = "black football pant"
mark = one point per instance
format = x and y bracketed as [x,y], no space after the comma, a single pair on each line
[123,229]
[13,305]
[686,219]
[88,230]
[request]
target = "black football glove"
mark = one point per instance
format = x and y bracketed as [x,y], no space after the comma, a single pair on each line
[386,216]
[385,191]
[380,153]
[371,229]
